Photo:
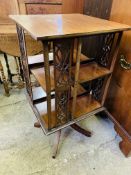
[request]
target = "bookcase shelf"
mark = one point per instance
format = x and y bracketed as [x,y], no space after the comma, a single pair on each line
[90,72]
[87,72]
[67,105]
[39,95]
[84,105]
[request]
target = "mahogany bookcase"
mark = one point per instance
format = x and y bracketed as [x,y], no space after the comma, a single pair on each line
[72,86]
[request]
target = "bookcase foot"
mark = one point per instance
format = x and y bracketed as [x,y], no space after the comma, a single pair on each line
[81,130]
[37,125]
[55,141]
[55,145]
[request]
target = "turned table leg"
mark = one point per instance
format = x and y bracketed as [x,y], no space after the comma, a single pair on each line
[20,82]
[8,68]
[5,83]
[21,70]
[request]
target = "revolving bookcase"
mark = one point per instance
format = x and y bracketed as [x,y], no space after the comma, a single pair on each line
[71,86]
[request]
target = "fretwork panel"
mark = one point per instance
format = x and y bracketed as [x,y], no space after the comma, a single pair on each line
[105,51]
[62,73]
[22,45]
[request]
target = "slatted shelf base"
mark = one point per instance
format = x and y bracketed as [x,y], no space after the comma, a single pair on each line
[84,105]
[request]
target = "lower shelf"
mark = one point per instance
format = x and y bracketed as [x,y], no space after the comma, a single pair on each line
[39,95]
[84,105]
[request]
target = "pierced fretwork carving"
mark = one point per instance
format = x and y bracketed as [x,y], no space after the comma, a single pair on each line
[62,64]
[106,49]
[97,88]
[22,45]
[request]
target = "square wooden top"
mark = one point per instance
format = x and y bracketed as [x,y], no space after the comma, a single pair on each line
[66,25]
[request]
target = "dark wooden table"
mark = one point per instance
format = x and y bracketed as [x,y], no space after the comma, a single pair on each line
[9,46]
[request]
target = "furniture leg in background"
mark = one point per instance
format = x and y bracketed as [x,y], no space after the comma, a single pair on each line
[10,75]
[20,83]
[20,68]
[4,81]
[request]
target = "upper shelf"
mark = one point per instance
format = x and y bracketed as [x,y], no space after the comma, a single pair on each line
[87,72]
[65,25]
[90,72]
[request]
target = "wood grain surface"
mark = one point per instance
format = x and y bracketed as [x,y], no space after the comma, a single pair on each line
[66,25]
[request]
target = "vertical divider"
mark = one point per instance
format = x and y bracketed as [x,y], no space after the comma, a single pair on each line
[70,76]
[77,67]
[48,81]
[115,53]
[116,50]
[63,55]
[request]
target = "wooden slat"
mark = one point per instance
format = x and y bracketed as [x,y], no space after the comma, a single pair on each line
[90,72]
[47,80]
[84,105]
[76,74]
